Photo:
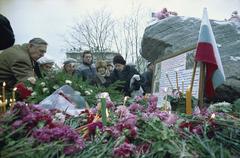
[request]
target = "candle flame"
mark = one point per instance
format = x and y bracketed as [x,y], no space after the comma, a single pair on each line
[14,89]
[4,84]
[213,116]
[165,89]
[125,98]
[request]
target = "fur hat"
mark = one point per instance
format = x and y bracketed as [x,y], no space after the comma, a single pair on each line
[118,59]
[100,64]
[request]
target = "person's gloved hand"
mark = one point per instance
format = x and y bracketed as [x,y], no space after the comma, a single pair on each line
[136,77]
[135,82]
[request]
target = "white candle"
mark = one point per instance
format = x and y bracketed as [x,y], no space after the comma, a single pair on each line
[3,92]
[13,97]
[125,100]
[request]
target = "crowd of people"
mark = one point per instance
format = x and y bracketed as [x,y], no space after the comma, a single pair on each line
[26,62]
[104,73]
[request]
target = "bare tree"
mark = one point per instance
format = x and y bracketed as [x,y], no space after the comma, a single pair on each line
[94,32]
[133,27]
[99,32]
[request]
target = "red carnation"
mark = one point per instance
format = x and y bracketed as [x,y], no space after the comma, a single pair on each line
[22,90]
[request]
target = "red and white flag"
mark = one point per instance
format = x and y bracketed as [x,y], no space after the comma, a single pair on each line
[207,52]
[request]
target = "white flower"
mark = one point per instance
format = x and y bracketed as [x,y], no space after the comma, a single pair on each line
[45,90]
[30,88]
[87,93]
[59,117]
[68,82]
[33,93]
[90,91]
[55,86]
[43,84]
[32,80]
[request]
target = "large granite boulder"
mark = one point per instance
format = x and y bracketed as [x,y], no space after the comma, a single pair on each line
[175,35]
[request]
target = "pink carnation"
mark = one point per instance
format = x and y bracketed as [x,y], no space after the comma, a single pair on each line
[124,150]
[171,119]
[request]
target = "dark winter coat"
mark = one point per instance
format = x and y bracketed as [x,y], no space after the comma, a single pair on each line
[6,33]
[86,72]
[147,82]
[126,76]
[101,81]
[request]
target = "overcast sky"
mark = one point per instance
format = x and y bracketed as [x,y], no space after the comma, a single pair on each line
[50,19]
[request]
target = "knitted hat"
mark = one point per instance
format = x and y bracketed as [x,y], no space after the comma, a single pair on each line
[118,59]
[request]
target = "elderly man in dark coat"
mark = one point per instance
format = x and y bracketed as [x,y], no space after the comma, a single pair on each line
[18,63]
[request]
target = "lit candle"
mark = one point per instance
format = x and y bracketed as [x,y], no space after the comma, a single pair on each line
[1,106]
[182,86]
[3,92]
[188,101]
[103,110]
[125,100]
[13,97]
[213,116]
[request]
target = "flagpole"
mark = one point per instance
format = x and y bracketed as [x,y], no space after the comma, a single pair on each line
[193,75]
[201,84]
